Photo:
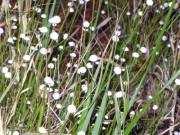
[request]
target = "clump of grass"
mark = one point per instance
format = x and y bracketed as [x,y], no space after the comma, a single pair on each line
[89,67]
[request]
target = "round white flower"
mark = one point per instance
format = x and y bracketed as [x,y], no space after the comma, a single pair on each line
[13,27]
[89,65]
[115,38]
[135,55]
[56,95]
[28,102]
[10,40]
[132,113]
[149,2]
[65,36]
[164,38]
[10,61]
[58,106]
[51,65]
[43,16]
[43,51]
[42,130]
[106,117]
[71,43]
[22,35]
[73,55]
[117,70]
[143,49]
[86,24]
[48,80]
[177,81]
[116,56]
[117,32]
[155,107]
[150,97]
[123,59]
[81,133]
[69,65]
[1,31]
[14,38]
[55,19]
[81,70]
[60,47]
[103,12]
[4,70]
[93,58]
[8,75]
[109,93]
[71,108]
[54,35]
[26,58]
[119,94]
[128,13]
[15,133]
[84,88]
[126,49]
[43,29]
[71,10]
[140,13]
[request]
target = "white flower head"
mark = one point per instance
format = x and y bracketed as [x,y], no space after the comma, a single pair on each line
[65,36]
[128,13]
[10,40]
[126,49]
[115,38]
[16,133]
[54,35]
[73,55]
[26,58]
[8,75]
[43,16]
[89,65]
[84,88]
[56,19]
[56,95]
[81,133]
[58,106]
[71,43]
[135,55]
[117,70]
[43,29]
[22,35]
[50,65]
[1,31]
[116,56]
[177,81]
[42,130]
[93,58]
[140,13]
[71,10]
[71,108]
[155,107]
[81,70]
[48,80]
[86,24]
[109,93]
[164,38]
[117,32]
[4,70]
[43,51]
[149,2]
[119,94]
[143,49]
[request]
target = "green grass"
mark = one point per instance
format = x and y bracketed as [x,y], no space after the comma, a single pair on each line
[28,102]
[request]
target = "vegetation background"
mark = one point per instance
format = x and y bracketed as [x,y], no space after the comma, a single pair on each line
[101,67]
